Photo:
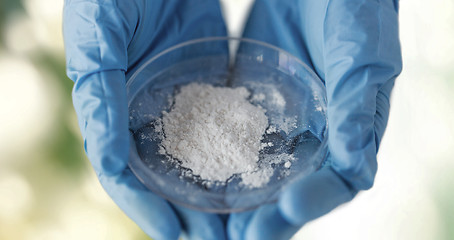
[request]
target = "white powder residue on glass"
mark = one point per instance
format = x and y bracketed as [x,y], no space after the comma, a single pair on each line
[270,98]
[216,132]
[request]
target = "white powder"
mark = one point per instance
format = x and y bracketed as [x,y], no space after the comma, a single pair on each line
[257,178]
[268,95]
[217,133]
[214,131]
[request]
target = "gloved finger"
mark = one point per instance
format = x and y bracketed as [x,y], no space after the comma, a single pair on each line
[382,112]
[303,201]
[286,24]
[163,24]
[100,103]
[237,224]
[264,223]
[361,59]
[153,214]
[279,23]
[197,225]
[96,38]
[313,196]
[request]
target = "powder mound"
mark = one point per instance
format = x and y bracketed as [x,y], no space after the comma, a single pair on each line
[214,131]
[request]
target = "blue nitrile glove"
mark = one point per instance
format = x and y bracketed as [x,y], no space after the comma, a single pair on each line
[353,45]
[105,41]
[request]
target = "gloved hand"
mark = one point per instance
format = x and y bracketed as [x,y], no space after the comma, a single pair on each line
[105,41]
[353,45]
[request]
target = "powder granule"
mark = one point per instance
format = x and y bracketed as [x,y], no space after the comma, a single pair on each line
[214,131]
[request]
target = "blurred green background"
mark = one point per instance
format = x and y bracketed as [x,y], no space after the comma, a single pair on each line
[49,191]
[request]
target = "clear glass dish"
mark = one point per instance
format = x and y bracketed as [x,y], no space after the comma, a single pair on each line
[262,69]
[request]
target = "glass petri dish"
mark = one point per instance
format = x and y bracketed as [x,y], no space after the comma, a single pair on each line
[274,78]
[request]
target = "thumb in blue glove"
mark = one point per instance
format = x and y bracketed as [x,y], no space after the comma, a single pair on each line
[353,46]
